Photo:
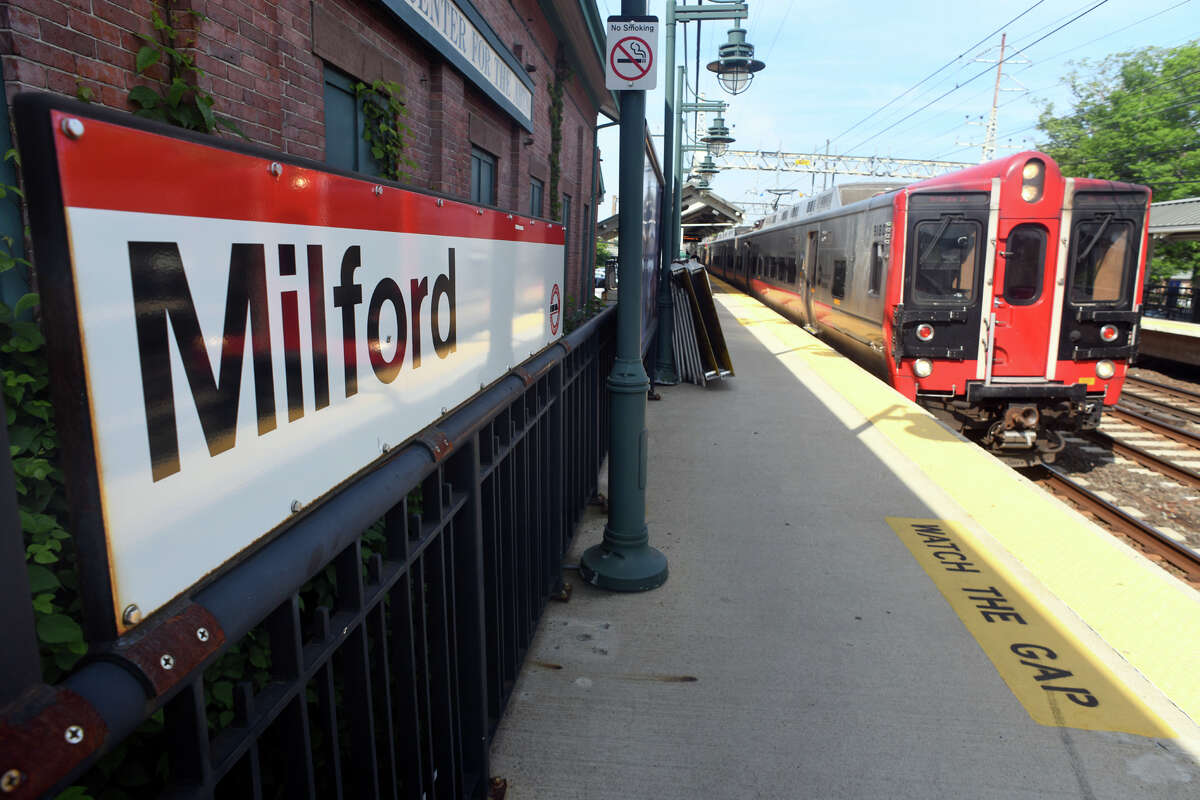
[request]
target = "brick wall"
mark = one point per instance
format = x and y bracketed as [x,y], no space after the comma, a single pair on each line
[264,63]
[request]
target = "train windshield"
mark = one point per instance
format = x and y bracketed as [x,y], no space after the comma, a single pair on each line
[946,256]
[1102,247]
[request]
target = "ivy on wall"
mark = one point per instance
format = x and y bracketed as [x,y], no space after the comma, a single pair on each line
[33,448]
[384,130]
[562,74]
[180,100]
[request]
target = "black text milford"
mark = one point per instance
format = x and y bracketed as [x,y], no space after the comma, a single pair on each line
[161,293]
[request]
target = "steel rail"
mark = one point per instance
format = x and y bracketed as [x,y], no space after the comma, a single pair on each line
[1160,406]
[1147,537]
[1133,452]
[1185,394]
[1160,427]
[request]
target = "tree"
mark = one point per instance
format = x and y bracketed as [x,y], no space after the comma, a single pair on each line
[604,252]
[1136,118]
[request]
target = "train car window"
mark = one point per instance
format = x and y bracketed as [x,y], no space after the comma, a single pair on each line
[875,279]
[791,270]
[1024,262]
[1101,248]
[946,260]
[839,277]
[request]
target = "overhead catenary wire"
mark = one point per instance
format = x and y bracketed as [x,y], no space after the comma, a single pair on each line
[949,63]
[974,77]
[1193,100]
[1111,33]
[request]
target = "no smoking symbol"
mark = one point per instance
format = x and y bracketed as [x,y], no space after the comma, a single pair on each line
[631,58]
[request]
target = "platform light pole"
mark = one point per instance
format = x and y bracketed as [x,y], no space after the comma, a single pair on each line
[624,561]
[669,239]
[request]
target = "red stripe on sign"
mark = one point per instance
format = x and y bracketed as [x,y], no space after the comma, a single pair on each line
[121,169]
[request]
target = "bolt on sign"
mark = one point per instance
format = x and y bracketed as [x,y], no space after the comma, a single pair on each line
[237,335]
[632,50]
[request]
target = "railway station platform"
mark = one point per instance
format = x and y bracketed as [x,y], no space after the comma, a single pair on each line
[860,604]
[1170,339]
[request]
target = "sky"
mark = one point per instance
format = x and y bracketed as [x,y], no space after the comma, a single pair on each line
[833,67]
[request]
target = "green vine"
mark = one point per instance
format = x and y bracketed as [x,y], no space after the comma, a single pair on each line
[33,447]
[181,101]
[384,132]
[562,74]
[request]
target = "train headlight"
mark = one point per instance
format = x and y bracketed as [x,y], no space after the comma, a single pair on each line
[1105,369]
[1109,333]
[924,331]
[922,367]
[1033,179]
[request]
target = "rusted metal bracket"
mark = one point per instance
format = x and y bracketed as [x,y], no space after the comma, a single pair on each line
[524,374]
[437,442]
[497,789]
[44,735]
[166,654]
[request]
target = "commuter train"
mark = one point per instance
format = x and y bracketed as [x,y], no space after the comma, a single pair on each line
[1005,298]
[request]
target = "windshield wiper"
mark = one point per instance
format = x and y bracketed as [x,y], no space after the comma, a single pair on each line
[1095,238]
[937,237]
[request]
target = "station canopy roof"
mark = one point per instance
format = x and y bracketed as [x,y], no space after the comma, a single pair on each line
[701,212]
[704,213]
[1173,220]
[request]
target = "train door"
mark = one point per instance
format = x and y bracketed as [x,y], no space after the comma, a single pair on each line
[1022,302]
[810,278]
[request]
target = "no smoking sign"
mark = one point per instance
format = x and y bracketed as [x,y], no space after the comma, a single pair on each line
[631,62]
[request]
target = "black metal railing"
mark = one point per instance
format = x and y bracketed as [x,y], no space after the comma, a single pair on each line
[372,646]
[1169,300]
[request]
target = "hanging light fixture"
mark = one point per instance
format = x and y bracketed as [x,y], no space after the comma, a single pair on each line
[735,65]
[706,168]
[718,138]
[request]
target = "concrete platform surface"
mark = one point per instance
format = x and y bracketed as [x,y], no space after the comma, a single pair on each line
[806,646]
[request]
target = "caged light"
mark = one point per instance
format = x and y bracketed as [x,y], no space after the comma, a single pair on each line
[718,138]
[735,65]
[707,168]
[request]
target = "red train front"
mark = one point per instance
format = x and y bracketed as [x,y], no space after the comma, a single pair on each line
[1004,297]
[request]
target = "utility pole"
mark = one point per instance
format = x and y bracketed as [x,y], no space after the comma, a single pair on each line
[624,561]
[826,175]
[989,139]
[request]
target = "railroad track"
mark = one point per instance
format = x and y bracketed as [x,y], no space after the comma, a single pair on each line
[1180,558]
[1177,407]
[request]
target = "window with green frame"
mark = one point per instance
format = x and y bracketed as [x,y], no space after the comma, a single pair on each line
[483,177]
[536,192]
[344,144]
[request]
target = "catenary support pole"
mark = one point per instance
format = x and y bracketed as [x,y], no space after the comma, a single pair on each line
[664,364]
[675,225]
[624,561]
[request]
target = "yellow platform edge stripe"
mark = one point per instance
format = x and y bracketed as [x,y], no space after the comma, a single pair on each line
[1171,326]
[1148,617]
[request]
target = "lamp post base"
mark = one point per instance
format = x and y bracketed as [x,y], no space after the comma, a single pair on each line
[665,376]
[623,569]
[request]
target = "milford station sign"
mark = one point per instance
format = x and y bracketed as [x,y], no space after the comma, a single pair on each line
[249,334]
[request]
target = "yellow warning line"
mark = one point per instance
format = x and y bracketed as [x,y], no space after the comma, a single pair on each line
[1149,618]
